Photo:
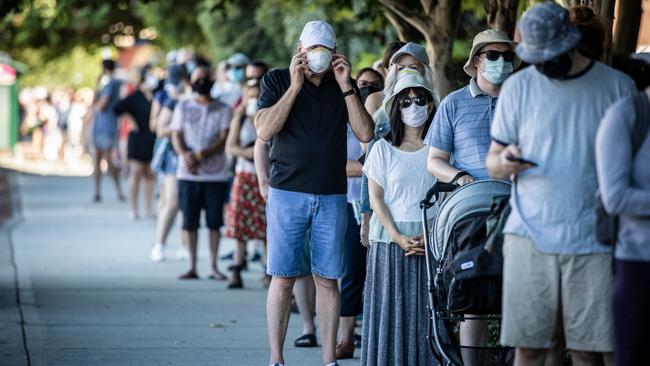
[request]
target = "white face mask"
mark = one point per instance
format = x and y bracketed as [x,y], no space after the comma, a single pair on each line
[151,82]
[319,59]
[251,106]
[414,115]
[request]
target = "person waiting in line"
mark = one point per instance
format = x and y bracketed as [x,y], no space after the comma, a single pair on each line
[550,246]
[140,142]
[395,311]
[304,289]
[624,183]
[461,128]
[246,218]
[370,82]
[165,161]
[231,92]
[410,56]
[199,130]
[305,110]
[104,129]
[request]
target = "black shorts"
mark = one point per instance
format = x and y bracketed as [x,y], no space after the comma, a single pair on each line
[195,196]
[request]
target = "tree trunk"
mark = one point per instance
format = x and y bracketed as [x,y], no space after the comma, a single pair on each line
[502,15]
[628,23]
[439,25]
[396,22]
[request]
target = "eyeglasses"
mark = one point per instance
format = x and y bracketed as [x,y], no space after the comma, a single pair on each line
[407,101]
[492,55]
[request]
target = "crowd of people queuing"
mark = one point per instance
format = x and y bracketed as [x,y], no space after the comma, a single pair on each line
[326,172]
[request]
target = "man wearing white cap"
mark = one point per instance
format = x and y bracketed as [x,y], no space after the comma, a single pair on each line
[305,110]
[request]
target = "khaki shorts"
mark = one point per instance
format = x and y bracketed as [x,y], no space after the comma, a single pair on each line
[537,287]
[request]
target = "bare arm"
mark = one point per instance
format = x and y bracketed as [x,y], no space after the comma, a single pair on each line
[360,120]
[153,115]
[232,142]
[217,146]
[269,121]
[353,168]
[262,166]
[164,119]
[410,245]
[499,166]
[438,165]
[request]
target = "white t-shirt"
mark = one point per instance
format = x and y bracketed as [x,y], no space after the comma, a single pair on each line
[247,137]
[201,124]
[403,176]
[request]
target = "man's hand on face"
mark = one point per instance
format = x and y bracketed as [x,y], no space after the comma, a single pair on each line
[342,69]
[297,69]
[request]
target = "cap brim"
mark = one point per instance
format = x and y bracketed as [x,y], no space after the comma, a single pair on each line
[530,56]
[389,102]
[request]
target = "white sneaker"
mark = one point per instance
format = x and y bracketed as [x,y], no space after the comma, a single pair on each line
[158,253]
[181,253]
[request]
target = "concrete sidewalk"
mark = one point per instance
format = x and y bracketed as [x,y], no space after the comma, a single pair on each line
[90,295]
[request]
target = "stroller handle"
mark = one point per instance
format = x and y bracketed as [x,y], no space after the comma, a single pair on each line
[437,188]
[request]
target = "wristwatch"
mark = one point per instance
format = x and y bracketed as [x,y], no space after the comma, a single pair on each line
[349,92]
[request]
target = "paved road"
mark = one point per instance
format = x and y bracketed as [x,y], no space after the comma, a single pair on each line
[90,296]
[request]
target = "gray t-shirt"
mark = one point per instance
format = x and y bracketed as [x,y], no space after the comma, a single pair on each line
[554,123]
[625,180]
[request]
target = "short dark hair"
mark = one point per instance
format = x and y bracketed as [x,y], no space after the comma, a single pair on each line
[396,134]
[108,65]
[594,32]
[372,71]
[261,65]
[390,51]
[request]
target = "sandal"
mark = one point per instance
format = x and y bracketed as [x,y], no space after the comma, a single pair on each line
[218,276]
[306,340]
[189,275]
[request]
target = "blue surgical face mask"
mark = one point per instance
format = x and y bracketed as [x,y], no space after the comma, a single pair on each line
[236,75]
[496,71]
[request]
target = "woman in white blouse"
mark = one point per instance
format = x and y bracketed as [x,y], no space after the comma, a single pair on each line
[395,315]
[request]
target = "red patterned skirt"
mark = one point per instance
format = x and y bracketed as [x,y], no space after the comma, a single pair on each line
[246,218]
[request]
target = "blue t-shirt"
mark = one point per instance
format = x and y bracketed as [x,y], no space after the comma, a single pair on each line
[554,123]
[461,127]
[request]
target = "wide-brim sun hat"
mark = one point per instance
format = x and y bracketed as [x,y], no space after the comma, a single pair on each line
[483,39]
[409,78]
[546,32]
[412,49]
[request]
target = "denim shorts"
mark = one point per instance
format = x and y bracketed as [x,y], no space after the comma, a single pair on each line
[294,218]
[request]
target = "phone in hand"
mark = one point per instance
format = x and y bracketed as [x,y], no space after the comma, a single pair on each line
[520,160]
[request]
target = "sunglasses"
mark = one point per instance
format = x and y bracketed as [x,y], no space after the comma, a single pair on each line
[508,56]
[362,83]
[407,101]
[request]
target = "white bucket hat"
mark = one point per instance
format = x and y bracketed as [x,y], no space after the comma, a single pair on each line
[406,79]
[488,37]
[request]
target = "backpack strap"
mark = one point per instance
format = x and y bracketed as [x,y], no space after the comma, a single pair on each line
[642,122]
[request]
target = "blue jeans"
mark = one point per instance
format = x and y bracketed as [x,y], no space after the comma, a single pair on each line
[294,218]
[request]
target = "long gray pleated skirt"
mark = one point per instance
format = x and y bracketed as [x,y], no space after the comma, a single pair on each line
[395,309]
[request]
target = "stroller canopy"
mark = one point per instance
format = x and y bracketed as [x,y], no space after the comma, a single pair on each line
[471,199]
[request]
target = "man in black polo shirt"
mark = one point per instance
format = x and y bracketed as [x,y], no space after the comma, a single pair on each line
[304,109]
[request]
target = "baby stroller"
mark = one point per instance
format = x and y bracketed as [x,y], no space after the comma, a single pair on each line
[464,268]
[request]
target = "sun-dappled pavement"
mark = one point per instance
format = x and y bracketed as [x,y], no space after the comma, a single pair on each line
[90,296]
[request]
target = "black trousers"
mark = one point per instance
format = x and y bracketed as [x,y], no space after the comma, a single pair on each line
[631,313]
[354,269]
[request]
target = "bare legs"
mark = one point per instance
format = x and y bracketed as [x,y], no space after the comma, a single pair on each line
[168,209]
[140,171]
[278,308]
[305,293]
[113,170]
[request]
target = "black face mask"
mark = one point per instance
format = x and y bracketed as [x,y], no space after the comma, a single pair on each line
[557,68]
[365,91]
[203,85]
